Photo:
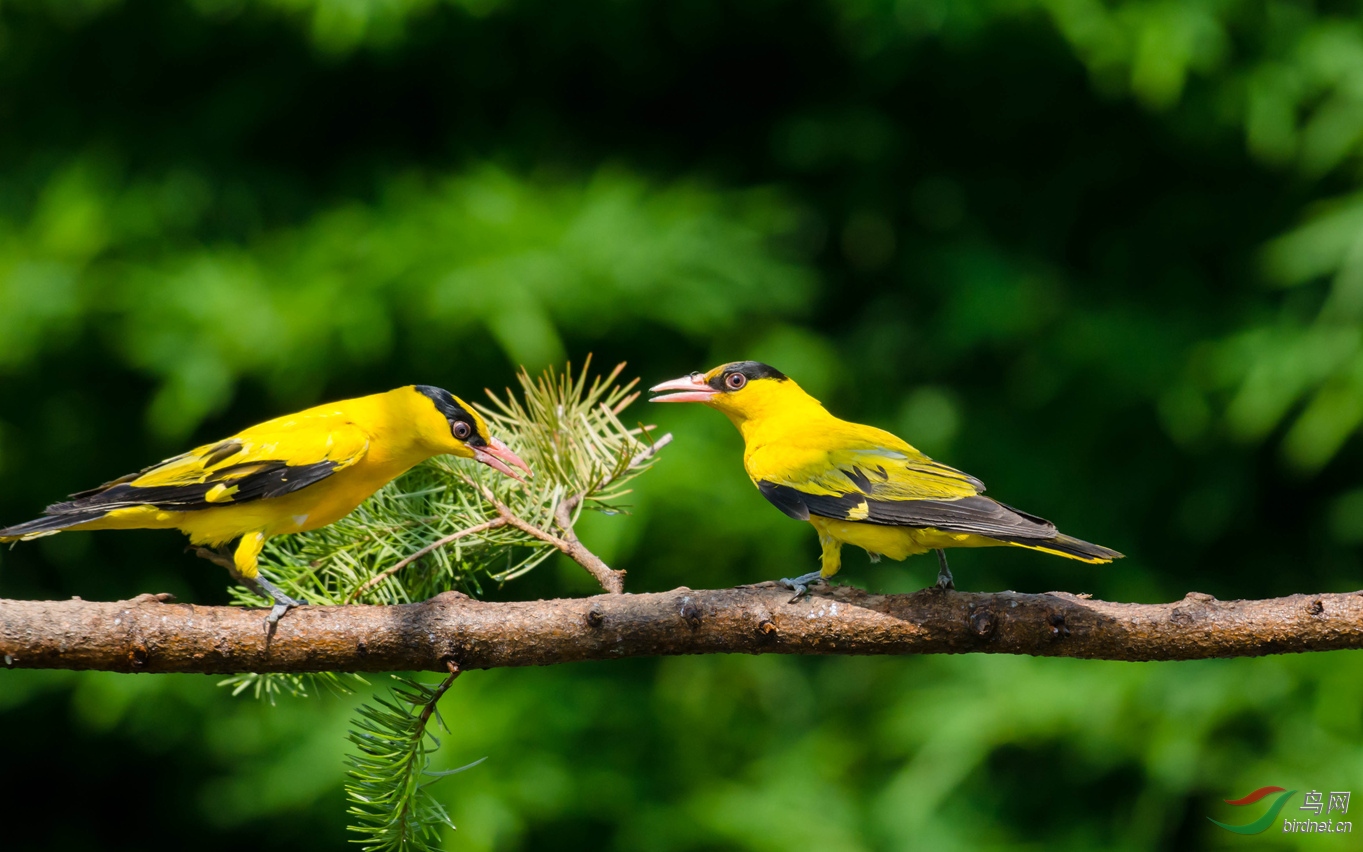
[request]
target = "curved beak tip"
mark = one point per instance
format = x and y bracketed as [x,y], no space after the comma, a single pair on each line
[690,388]
[498,455]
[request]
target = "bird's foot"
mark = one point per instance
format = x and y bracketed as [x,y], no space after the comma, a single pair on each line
[282,602]
[944,580]
[800,585]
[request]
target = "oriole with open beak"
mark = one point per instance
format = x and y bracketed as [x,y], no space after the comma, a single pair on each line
[858,484]
[294,473]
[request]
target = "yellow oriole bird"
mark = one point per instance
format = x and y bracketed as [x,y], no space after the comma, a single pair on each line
[294,473]
[857,484]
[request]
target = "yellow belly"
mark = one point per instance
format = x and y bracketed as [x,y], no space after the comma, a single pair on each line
[880,540]
[896,542]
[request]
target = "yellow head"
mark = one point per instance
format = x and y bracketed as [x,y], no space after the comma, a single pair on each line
[454,428]
[744,390]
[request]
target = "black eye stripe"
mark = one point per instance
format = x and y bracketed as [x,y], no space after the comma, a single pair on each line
[445,403]
[750,370]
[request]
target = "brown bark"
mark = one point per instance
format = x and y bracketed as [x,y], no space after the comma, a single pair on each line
[148,635]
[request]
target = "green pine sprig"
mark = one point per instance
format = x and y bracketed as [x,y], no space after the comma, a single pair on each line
[272,685]
[390,772]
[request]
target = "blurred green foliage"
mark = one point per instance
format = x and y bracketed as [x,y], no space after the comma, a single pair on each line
[485,251]
[1101,254]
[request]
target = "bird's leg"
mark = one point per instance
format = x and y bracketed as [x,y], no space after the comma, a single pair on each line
[944,580]
[282,602]
[258,584]
[800,585]
[246,569]
[831,561]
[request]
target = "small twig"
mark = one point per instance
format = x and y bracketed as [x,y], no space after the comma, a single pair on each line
[563,516]
[563,512]
[440,691]
[433,546]
[568,544]
[611,580]
[642,456]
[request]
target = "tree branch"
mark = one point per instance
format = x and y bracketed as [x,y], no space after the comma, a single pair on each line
[611,580]
[148,634]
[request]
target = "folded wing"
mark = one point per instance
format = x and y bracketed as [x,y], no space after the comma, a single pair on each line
[269,460]
[895,487]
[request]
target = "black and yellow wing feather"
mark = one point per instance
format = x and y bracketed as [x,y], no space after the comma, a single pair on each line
[871,476]
[269,460]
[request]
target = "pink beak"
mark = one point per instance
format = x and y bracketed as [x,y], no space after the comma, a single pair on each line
[690,388]
[496,454]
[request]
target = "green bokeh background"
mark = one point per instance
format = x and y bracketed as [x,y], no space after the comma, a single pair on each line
[1104,255]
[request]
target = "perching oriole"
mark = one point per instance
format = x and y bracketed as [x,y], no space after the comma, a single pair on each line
[294,473]
[857,484]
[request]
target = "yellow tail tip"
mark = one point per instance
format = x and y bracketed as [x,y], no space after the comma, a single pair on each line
[1073,548]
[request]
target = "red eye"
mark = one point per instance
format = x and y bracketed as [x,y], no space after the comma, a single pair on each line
[735,380]
[462,430]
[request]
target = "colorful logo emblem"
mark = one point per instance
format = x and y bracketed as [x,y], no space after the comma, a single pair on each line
[1262,823]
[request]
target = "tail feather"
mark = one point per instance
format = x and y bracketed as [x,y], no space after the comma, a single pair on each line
[1068,546]
[49,525]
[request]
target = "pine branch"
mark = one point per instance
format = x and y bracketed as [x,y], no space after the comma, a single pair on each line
[430,548]
[149,635]
[387,792]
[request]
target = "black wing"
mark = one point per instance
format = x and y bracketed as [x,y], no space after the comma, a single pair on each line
[977,515]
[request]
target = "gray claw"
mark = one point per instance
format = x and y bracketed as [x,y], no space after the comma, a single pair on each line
[282,602]
[800,585]
[944,580]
